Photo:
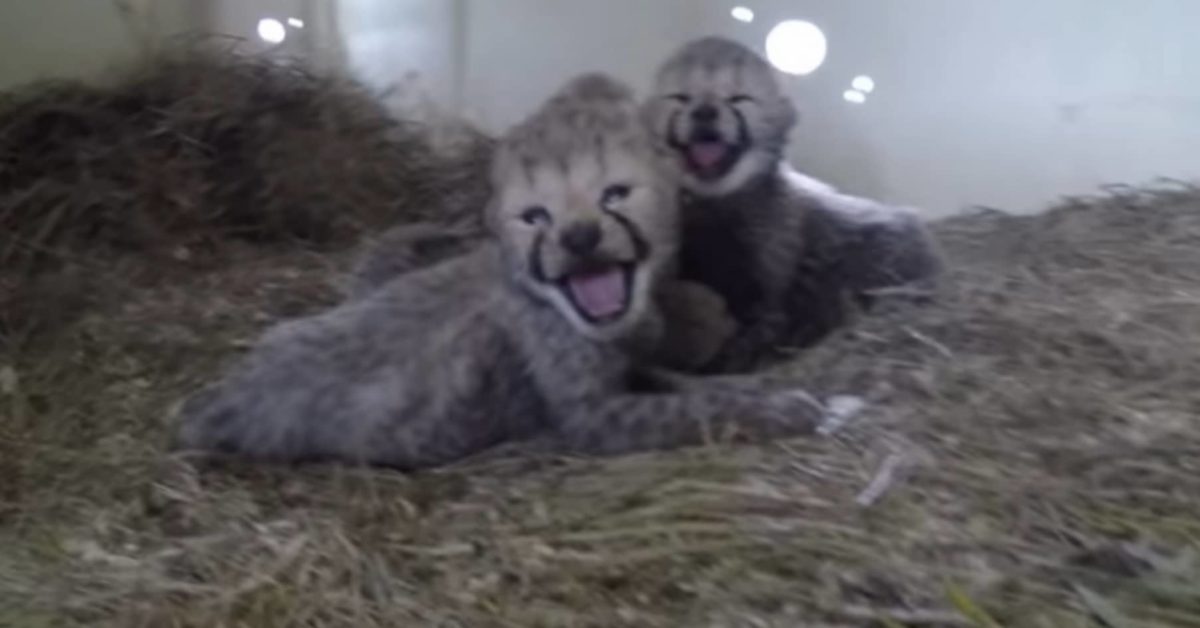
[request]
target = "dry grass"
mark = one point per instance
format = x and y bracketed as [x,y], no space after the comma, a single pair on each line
[1029,455]
[202,144]
[209,143]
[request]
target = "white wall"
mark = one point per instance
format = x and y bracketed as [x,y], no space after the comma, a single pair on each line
[1009,104]
[1005,103]
[396,42]
[519,51]
[50,39]
[240,18]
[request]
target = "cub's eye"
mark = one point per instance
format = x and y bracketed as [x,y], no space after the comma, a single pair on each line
[682,99]
[537,216]
[739,99]
[613,195]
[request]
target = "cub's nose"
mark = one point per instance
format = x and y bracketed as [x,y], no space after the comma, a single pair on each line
[581,237]
[705,114]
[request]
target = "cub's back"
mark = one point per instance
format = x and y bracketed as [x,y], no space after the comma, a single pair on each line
[419,373]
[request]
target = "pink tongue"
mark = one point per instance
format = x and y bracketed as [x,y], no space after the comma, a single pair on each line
[707,154]
[601,294]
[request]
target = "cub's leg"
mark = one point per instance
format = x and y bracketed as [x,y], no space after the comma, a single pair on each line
[598,407]
[631,422]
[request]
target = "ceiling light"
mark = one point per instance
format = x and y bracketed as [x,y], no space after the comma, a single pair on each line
[864,84]
[271,31]
[796,47]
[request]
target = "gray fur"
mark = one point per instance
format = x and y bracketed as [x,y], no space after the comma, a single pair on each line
[406,248]
[450,359]
[697,321]
[798,265]
[791,256]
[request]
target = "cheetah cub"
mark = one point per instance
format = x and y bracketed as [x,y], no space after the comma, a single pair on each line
[535,333]
[788,253]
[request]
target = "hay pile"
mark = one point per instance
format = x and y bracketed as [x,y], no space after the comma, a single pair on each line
[200,146]
[1029,456]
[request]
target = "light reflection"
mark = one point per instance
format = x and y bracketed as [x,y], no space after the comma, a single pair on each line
[796,47]
[271,31]
[863,83]
[742,14]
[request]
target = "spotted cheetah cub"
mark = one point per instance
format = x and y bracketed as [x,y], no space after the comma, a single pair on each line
[788,253]
[535,333]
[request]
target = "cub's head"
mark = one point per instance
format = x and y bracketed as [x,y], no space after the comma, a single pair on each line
[584,208]
[719,107]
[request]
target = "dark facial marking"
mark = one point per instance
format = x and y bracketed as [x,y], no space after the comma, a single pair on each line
[743,139]
[614,194]
[535,258]
[641,248]
[537,216]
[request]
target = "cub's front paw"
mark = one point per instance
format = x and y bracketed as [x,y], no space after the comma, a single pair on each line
[790,412]
[698,325]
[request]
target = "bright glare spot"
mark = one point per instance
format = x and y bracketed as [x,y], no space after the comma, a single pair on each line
[742,14]
[864,84]
[271,31]
[295,22]
[796,47]
[854,96]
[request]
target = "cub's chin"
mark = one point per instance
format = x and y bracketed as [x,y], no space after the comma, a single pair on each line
[709,172]
[602,302]
[711,159]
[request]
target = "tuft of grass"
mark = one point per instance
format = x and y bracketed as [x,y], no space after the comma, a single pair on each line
[200,144]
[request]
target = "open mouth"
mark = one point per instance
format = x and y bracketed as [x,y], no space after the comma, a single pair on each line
[600,294]
[710,158]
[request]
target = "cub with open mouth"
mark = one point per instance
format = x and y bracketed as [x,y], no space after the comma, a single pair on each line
[711,137]
[722,114]
[786,252]
[592,262]
[600,291]
[531,334]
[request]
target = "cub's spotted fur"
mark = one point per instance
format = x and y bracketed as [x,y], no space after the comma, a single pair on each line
[533,333]
[789,254]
